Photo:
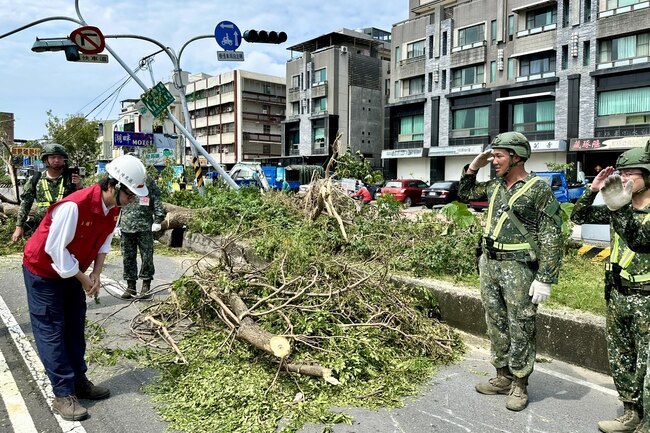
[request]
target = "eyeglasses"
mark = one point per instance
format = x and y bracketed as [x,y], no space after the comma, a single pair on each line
[625,173]
[128,192]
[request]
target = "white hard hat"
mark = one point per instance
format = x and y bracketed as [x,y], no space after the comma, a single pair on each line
[130,172]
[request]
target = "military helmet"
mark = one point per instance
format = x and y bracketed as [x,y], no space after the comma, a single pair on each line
[53,149]
[515,141]
[634,158]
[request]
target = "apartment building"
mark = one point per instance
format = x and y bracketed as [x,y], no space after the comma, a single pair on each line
[338,82]
[236,116]
[572,75]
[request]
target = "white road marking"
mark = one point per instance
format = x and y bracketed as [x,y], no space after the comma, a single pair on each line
[19,416]
[35,366]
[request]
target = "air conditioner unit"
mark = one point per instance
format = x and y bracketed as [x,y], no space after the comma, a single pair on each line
[265,112]
[344,50]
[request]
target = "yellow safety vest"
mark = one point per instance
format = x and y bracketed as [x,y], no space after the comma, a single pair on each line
[46,190]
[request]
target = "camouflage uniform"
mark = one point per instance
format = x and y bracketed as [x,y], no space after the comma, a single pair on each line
[507,271]
[46,192]
[135,223]
[628,310]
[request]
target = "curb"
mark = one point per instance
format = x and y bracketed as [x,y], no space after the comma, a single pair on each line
[571,336]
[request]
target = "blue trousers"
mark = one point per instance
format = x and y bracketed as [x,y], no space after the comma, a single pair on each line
[57,309]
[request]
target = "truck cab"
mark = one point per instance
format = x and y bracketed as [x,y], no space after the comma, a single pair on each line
[564,192]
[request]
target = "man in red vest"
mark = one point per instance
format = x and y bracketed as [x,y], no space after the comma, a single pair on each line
[74,233]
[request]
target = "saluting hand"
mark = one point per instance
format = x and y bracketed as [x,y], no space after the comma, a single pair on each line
[600,179]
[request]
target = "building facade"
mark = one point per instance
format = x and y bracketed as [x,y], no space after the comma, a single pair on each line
[572,75]
[338,83]
[236,116]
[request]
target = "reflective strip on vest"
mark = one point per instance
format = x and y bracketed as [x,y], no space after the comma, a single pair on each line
[626,259]
[504,216]
[48,196]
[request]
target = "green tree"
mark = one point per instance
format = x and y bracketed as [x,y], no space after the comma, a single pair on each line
[356,166]
[78,136]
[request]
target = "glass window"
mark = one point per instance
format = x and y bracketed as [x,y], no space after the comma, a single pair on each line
[470,35]
[565,13]
[470,122]
[295,108]
[541,17]
[511,26]
[467,76]
[320,75]
[493,32]
[537,64]
[411,128]
[319,137]
[586,53]
[587,11]
[511,69]
[295,82]
[397,59]
[624,101]
[320,104]
[415,86]
[613,4]
[397,94]
[626,47]
[415,49]
[565,56]
[534,116]
[493,72]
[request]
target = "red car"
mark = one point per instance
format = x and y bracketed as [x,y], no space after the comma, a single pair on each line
[408,191]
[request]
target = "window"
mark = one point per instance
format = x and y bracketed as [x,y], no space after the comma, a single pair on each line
[565,13]
[415,86]
[415,49]
[430,47]
[626,47]
[586,53]
[626,101]
[541,17]
[493,32]
[294,138]
[467,76]
[319,137]
[319,104]
[320,75]
[565,56]
[537,64]
[430,82]
[614,4]
[387,87]
[511,69]
[443,80]
[534,116]
[493,71]
[444,43]
[397,53]
[470,122]
[266,109]
[267,129]
[587,11]
[470,35]
[397,94]
[411,128]
[511,26]
[295,108]
[296,82]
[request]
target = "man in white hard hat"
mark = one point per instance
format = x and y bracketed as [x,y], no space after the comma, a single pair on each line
[75,232]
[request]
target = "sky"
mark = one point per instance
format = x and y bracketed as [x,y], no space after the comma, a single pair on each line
[35,83]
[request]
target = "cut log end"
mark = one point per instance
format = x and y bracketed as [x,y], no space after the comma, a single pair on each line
[280,346]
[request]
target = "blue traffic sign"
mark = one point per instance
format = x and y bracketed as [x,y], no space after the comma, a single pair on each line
[227,35]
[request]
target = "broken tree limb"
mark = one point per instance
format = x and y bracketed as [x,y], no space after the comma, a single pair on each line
[313,370]
[176,216]
[162,330]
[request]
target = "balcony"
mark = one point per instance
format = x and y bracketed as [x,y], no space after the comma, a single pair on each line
[532,77]
[467,87]
[537,30]
[253,136]
[473,55]
[623,62]
[319,89]
[624,9]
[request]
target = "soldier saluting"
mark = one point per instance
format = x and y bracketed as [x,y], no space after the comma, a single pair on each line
[522,248]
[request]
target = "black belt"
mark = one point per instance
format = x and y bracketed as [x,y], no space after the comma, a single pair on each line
[628,288]
[507,255]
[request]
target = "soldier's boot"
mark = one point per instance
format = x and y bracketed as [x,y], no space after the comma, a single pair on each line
[518,397]
[69,408]
[145,292]
[496,385]
[130,290]
[626,423]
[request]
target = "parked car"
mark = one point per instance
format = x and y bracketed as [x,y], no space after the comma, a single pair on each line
[408,191]
[478,205]
[440,192]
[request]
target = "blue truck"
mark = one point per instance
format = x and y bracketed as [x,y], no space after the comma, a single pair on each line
[564,191]
[265,176]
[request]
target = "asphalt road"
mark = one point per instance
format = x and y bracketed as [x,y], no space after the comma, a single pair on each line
[563,398]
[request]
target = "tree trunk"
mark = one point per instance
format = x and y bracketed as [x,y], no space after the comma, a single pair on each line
[177,216]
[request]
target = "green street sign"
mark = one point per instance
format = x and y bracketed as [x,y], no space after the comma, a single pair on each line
[157,99]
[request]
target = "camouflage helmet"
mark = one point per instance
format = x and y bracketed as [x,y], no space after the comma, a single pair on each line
[53,149]
[634,158]
[515,141]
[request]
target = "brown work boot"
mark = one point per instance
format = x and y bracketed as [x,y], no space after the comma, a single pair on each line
[518,397]
[496,385]
[626,423]
[69,408]
[130,290]
[145,292]
[89,391]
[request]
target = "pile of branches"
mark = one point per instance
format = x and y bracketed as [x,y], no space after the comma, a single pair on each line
[303,323]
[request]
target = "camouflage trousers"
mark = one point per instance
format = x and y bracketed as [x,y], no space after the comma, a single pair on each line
[129,243]
[627,333]
[509,313]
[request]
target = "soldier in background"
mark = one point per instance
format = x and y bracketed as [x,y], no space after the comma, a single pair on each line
[137,223]
[45,188]
[627,293]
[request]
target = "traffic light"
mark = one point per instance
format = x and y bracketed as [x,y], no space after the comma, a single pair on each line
[264,37]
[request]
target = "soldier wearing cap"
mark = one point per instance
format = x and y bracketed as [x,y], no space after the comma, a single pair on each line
[522,248]
[627,292]
[45,188]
